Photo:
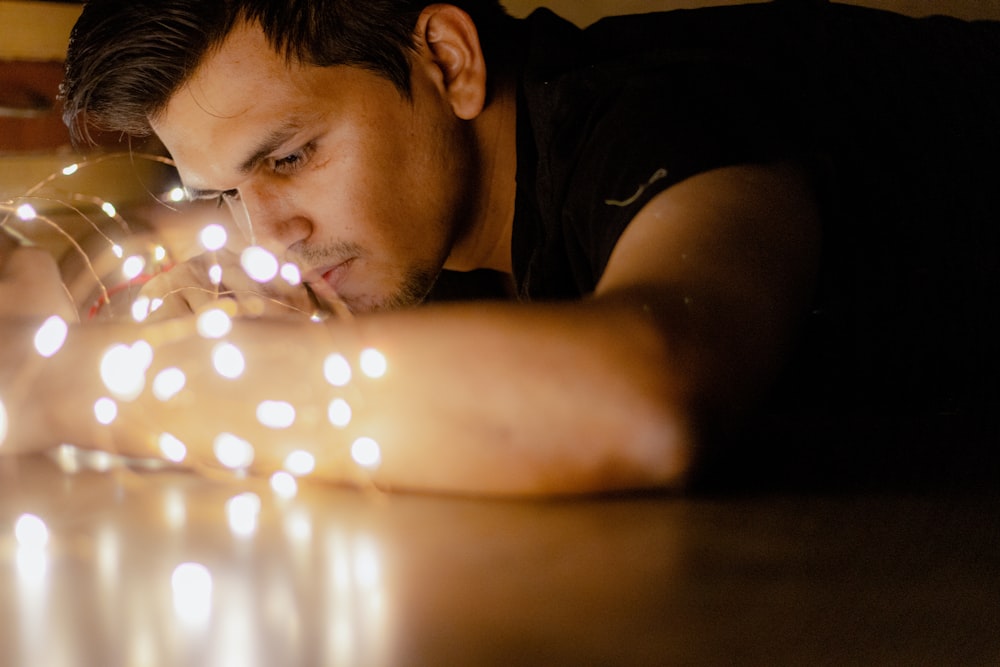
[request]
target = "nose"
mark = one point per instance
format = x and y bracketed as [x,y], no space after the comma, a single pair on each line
[268,219]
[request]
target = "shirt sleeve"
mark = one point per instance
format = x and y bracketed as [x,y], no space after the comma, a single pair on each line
[654,127]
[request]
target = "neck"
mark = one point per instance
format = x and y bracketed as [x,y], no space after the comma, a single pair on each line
[486,244]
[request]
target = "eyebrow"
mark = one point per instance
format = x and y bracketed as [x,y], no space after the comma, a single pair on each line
[270,143]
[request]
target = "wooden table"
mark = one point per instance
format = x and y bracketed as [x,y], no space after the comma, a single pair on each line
[158,568]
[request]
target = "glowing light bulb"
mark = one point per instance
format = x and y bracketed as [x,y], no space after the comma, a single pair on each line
[276,414]
[109,209]
[123,369]
[215,274]
[26,212]
[242,512]
[3,422]
[191,584]
[336,370]
[105,410]
[141,309]
[373,363]
[142,353]
[50,336]
[290,272]
[259,264]
[228,360]
[214,323]
[300,462]
[284,485]
[366,453]
[133,267]
[339,413]
[172,448]
[168,383]
[71,169]
[213,237]
[31,532]
[232,451]
[176,194]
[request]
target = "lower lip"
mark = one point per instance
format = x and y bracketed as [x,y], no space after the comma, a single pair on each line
[334,276]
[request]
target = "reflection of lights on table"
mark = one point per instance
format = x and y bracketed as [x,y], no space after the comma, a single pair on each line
[31,532]
[140,561]
[242,512]
[191,584]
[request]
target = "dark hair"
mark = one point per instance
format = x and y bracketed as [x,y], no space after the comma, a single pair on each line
[126,58]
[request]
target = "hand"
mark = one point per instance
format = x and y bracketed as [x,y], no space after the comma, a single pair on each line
[188,288]
[30,285]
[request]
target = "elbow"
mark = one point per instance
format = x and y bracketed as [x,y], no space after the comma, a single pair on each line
[658,441]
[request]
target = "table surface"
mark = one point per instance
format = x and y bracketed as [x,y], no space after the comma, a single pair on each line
[161,568]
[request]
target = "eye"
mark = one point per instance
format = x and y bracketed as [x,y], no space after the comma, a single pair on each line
[227,196]
[293,161]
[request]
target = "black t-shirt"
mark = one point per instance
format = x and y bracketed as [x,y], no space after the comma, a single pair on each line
[896,118]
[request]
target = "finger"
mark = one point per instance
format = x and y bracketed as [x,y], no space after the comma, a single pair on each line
[33,286]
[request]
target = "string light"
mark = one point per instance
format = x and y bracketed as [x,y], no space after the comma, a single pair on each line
[232,451]
[123,367]
[228,360]
[337,370]
[291,273]
[300,462]
[284,485]
[366,453]
[339,413]
[276,414]
[214,323]
[141,308]
[50,336]
[105,410]
[259,264]
[172,448]
[26,212]
[213,237]
[133,266]
[373,363]
[168,383]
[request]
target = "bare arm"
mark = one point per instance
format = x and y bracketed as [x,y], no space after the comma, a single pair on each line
[599,394]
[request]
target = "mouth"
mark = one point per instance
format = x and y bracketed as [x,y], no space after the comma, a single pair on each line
[325,285]
[334,276]
[328,278]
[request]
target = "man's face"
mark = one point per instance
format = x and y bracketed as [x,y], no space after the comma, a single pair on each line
[337,170]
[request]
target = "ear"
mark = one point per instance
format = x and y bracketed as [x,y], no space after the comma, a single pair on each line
[449,42]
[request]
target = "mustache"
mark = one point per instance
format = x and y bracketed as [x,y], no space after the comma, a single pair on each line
[312,256]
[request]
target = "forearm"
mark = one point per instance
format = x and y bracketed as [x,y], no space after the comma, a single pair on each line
[502,399]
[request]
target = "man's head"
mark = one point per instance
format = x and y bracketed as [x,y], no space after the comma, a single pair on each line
[360,160]
[127,57]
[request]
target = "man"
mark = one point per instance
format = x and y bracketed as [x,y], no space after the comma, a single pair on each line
[657,187]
